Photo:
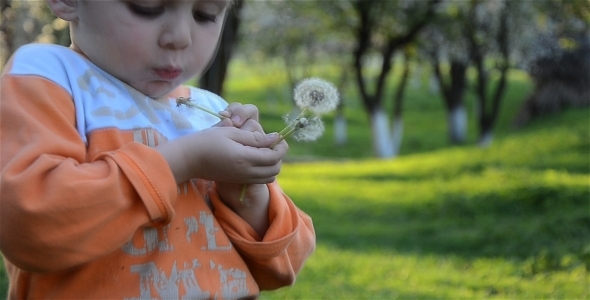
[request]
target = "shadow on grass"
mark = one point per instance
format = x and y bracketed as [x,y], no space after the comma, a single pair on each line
[538,223]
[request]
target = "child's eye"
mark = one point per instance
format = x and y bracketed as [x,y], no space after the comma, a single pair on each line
[202,17]
[145,11]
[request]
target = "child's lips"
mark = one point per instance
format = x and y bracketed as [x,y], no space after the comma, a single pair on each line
[168,73]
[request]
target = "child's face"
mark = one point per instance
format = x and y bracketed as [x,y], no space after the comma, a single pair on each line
[152,45]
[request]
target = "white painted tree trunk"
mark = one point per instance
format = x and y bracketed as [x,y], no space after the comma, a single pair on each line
[382,144]
[433,86]
[397,135]
[457,124]
[340,130]
[486,139]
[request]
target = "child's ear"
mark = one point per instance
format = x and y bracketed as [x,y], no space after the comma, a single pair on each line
[64,9]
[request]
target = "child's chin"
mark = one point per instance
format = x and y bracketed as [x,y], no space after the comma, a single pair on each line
[158,89]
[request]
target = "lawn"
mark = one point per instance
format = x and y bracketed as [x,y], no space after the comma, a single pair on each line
[439,222]
[508,222]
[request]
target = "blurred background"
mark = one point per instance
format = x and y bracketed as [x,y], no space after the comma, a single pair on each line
[457,164]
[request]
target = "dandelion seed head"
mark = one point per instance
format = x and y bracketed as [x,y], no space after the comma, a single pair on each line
[309,129]
[317,95]
[302,122]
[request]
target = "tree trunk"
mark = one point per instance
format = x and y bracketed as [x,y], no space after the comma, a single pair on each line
[397,135]
[487,116]
[340,126]
[382,144]
[457,124]
[455,106]
[486,137]
[453,97]
[373,101]
[214,78]
[397,130]
[340,129]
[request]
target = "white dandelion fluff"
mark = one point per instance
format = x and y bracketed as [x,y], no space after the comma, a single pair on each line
[309,129]
[316,95]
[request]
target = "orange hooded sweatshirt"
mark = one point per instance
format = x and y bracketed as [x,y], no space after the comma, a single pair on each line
[89,210]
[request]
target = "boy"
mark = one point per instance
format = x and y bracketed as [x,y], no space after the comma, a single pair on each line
[111,191]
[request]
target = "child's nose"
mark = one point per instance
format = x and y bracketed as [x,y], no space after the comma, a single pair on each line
[176,34]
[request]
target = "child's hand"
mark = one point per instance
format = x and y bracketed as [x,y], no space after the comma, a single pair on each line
[231,191]
[253,208]
[225,154]
[232,157]
[238,114]
[244,117]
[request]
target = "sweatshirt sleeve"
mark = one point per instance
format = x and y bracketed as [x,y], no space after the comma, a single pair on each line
[275,259]
[58,210]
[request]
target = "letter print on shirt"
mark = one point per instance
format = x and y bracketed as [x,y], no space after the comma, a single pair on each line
[179,281]
[167,286]
[233,281]
[206,219]
[193,227]
[152,241]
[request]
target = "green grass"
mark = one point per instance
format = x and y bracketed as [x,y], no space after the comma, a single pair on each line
[439,222]
[508,222]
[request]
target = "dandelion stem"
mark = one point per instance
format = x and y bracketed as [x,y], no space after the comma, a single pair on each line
[291,127]
[243,192]
[301,114]
[205,110]
[189,103]
[283,136]
[288,128]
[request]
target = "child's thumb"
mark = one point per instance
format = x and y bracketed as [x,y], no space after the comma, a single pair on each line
[267,139]
[258,139]
[225,122]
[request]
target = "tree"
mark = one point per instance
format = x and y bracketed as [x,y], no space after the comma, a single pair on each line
[398,101]
[25,22]
[495,31]
[489,36]
[559,60]
[384,27]
[562,79]
[443,43]
[487,113]
[453,95]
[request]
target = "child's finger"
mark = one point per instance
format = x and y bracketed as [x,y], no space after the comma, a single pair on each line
[252,126]
[224,123]
[239,113]
[255,139]
[225,113]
